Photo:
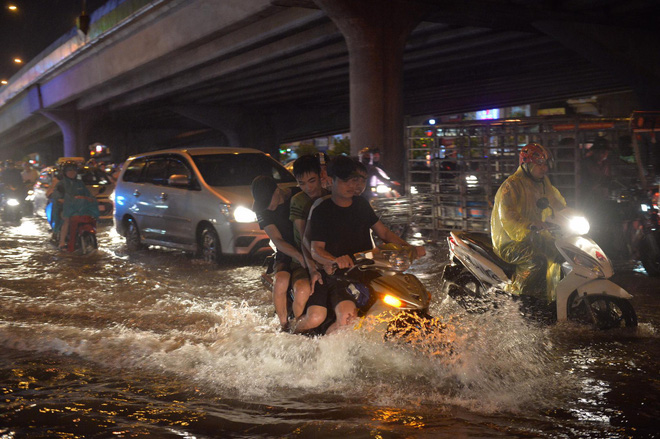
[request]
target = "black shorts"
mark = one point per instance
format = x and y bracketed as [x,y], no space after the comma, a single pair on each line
[330,293]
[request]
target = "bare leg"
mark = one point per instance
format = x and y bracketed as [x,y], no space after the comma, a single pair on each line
[64,232]
[301,291]
[280,285]
[314,316]
[346,315]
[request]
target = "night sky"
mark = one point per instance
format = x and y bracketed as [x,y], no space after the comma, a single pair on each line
[36,25]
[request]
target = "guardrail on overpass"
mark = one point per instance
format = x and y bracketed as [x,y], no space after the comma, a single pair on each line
[111,16]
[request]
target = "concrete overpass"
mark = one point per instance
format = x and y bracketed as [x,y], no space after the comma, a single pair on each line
[161,73]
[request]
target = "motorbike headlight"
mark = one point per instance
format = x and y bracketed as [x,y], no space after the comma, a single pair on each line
[578,225]
[588,263]
[244,215]
[382,189]
[392,301]
[13,202]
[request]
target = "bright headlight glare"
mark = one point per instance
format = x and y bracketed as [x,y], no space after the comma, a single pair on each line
[244,215]
[382,189]
[12,202]
[579,225]
[413,190]
[392,301]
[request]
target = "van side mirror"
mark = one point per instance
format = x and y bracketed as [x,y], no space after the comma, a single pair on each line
[177,180]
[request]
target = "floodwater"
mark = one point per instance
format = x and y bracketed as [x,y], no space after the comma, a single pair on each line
[161,345]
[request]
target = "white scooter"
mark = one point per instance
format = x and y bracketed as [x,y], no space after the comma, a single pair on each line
[584,292]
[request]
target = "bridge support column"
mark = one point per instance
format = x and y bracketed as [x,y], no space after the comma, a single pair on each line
[75,128]
[376,32]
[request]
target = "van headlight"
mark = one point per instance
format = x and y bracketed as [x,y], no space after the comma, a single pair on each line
[13,202]
[578,225]
[244,215]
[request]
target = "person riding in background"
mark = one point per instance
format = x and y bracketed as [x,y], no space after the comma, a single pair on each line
[11,176]
[307,170]
[272,206]
[74,198]
[376,176]
[29,174]
[517,225]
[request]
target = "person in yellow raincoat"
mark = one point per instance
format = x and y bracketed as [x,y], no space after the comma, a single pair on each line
[517,225]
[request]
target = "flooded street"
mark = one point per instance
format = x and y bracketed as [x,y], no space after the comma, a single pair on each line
[160,345]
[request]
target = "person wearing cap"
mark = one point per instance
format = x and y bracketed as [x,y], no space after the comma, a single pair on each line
[272,205]
[517,227]
[339,227]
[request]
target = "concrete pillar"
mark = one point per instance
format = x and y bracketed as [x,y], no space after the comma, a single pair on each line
[75,127]
[376,32]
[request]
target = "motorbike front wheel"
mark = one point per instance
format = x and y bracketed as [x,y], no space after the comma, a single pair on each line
[604,312]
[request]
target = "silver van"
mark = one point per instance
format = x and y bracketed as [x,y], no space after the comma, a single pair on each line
[194,199]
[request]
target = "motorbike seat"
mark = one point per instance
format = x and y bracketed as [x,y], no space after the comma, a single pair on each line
[482,244]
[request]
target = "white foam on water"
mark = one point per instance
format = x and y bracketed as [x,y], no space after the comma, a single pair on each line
[236,350]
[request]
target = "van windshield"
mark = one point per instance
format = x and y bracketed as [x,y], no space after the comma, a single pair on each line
[239,169]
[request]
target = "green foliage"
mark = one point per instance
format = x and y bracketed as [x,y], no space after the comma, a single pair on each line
[306,148]
[342,146]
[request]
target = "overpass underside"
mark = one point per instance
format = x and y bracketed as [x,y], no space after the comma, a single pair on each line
[259,73]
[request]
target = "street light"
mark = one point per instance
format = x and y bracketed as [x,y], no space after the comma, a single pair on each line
[4,82]
[12,8]
[18,61]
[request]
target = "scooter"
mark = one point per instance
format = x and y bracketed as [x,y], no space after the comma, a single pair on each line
[584,293]
[388,299]
[11,205]
[82,235]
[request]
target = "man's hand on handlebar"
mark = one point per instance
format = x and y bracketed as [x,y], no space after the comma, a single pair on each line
[537,226]
[344,261]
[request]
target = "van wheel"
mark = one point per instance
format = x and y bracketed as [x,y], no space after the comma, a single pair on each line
[209,245]
[133,240]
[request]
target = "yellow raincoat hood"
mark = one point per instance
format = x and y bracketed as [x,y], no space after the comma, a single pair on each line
[515,207]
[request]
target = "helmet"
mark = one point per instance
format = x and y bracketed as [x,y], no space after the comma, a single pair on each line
[535,153]
[65,166]
[366,155]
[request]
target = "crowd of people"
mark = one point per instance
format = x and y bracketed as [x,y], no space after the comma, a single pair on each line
[318,226]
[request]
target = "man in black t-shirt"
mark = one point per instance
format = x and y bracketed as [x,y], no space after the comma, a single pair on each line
[272,205]
[339,227]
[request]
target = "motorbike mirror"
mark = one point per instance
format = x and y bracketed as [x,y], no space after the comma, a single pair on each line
[543,203]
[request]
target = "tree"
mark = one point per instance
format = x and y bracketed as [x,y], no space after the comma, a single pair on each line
[342,146]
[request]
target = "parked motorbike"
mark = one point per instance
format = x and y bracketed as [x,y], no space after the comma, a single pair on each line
[584,293]
[388,299]
[82,235]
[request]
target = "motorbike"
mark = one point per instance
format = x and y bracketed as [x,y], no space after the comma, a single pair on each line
[388,299]
[11,204]
[82,235]
[584,294]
